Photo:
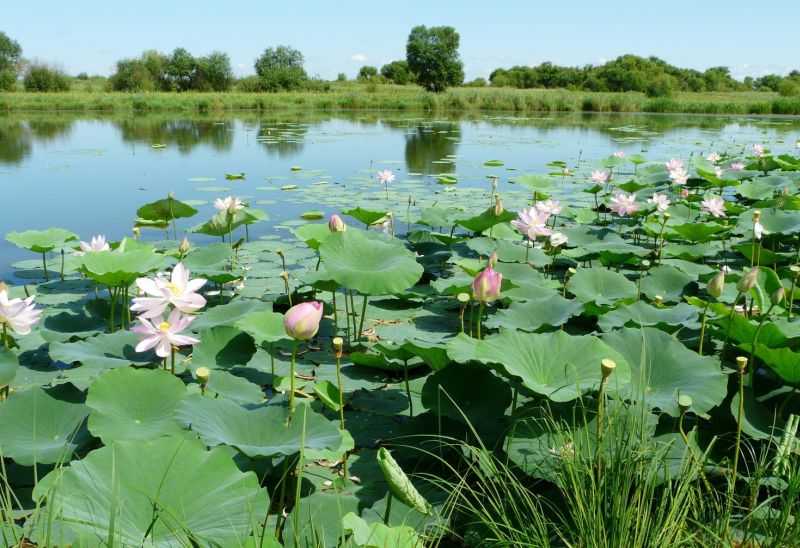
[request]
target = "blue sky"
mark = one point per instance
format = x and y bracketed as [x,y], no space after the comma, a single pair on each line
[751,38]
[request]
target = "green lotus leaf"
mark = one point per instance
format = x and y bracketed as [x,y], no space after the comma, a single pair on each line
[230,386]
[134,404]
[41,241]
[783,361]
[535,183]
[667,281]
[774,221]
[265,326]
[366,216]
[63,326]
[486,220]
[758,421]
[221,223]
[601,286]
[165,210]
[223,347]
[643,314]
[369,263]
[452,392]
[328,393]
[260,431]
[557,365]
[379,535]
[35,427]
[312,234]
[105,351]
[552,309]
[229,313]
[163,492]
[115,269]
[439,216]
[9,364]
[698,232]
[662,369]
[210,256]
[312,215]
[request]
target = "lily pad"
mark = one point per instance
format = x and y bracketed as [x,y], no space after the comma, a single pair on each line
[601,286]
[41,241]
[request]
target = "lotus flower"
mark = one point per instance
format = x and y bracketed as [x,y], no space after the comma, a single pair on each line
[486,286]
[229,204]
[660,201]
[758,230]
[97,244]
[385,176]
[166,335]
[737,166]
[302,320]
[714,205]
[679,176]
[336,224]
[557,239]
[18,314]
[718,172]
[532,222]
[674,164]
[179,291]
[623,204]
[599,177]
[550,207]
[684,193]
[714,157]
[758,151]
[619,154]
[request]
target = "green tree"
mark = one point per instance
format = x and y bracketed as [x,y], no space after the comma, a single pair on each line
[10,62]
[432,54]
[281,68]
[181,69]
[367,73]
[214,72]
[398,72]
[40,77]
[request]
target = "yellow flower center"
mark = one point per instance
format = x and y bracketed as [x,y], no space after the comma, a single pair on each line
[164,327]
[174,289]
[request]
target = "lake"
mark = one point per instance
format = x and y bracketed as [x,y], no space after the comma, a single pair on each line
[89,173]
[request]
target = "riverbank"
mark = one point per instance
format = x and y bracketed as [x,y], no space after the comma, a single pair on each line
[409,98]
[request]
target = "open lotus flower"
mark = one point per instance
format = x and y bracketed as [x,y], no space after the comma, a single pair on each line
[486,286]
[98,243]
[229,204]
[165,335]
[302,320]
[550,207]
[385,176]
[179,291]
[737,166]
[714,205]
[673,164]
[532,222]
[599,177]
[660,201]
[18,314]
[557,239]
[336,224]
[679,176]
[714,157]
[623,204]
[619,154]
[759,151]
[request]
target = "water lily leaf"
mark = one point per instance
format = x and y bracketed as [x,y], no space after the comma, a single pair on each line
[134,404]
[115,269]
[451,392]
[9,364]
[601,286]
[260,431]
[105,351]
[556,365]
[662,369]
[35,427]
[165,210]
[223,347]
[171,490]
[41,241]
[371,264]
[551,309]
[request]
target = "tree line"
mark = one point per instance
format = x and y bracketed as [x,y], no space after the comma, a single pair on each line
[432,61]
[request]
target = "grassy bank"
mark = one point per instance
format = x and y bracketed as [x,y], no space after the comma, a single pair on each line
[390,97]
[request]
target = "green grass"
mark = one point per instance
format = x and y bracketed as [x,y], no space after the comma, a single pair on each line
[352,96]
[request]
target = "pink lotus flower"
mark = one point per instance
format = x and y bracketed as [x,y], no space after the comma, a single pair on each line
[164,336]
[550,207]
[619,154]
[684,193]
[229,204]
[486,286]
[599,177]
[179,291]
[737,166]
[758,151]
[660,201]
[336,224]
[302,320]
[714,157]
[679,176]
[673,164]
[714,205]
[385,176]
[17,314]
[532,222]
[97,244]
[623,204]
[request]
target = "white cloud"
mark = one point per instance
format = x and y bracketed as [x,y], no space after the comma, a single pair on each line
[358,57]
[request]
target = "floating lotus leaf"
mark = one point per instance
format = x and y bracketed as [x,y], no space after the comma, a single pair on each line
[452,392]
[601,286]
[667,281]
[260,431]
[535,183]
[379,535]
[486,220]
[163,492]
[662,369]
[165,210]
[9,364]
[264,326]
[557,365]
[223,347]
[698,232]
[35,427]
[105,351]
[134,404]
[312,234]
[115,268]
[229,313]
[41,241]
[366,216]
[643,314]
[369,263]
[552,309]
[63,326]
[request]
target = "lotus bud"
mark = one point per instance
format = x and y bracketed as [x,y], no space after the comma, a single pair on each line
[778,297]
[136,232]
[184,247]
[684,403]
[756,215]
[3,286]
[203,374]
[338,344]
[336,224]
[658,300]
[494,184]
[493,259]
[785,191]
[284,275]
[486,286]
[498,206]
[171,195]
[747,281]
[741,364]
[302,320]
[606,368]
[565,171]
[716,285]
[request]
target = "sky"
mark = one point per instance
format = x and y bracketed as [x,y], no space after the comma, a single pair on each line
[750,38]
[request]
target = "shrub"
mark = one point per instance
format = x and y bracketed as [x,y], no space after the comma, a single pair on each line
[82,76]
[7,80]
[789,88]
[40,77]
[477,83]
[341,77]
[249,84]
[280,68]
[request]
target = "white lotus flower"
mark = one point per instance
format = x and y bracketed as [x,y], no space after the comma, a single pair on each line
[179,291]
[18,314]
[165,335]
[660,201]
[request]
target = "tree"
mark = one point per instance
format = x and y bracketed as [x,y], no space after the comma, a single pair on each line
[432,54]
[214,72]
[40,77]
[10,62]
[281,68]
[398,72]
[367,73]
[181,69]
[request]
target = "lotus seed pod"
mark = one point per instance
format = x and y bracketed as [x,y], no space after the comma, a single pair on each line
[658,300]
[684,402]
[747,281]
[571,271]
[645,264]
[741,363]
[607,367]
[338,344]
[667,215]
[463,298]
[203,374]
[716,285]
[756,215]
[795,270]
[493,259]
[184,247]
[498,206]
[778,297]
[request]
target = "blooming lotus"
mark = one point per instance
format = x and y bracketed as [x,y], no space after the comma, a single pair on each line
[336,224]
[179,291]
[759,151]
[166,335]
[660,201]
[679,176]
[385,176]
[599,177]
[97,244]
[486,286]
[623,204]
[737,166]
[714,205]
[532,222]
[557,239]
[718,171]
[758,230]
[714,157]
[673,164]
[302,320]
[229,204]
[619,154]
[550,207]
[18,314]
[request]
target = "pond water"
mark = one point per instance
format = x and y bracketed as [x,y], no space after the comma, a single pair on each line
[90,173]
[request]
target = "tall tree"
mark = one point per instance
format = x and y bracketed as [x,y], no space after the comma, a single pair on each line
[432,54]
[10,61]
[280,68]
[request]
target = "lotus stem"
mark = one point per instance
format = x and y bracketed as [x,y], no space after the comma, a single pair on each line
[703,328]
[281,498]
[753,368]
[728,327]
[408,389]
[513,421]
[113,297]
[5,336]
[347,319]
[791,293]
[408,215]
[272,361]
[741,364]
[480,318]
[299,477]
[356,336]
[172,218]
[291,391]
[363,314]
[388,510]
[44,265]
[172,360]
[230,229]
[527,248]
[338,353]
[460,315]
[62,265]
[335,315]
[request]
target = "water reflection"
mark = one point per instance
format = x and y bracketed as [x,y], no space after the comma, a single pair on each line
[281,138]
[184,134]
[431,146]
[17,135]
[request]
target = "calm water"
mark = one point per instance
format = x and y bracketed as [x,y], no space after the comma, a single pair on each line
[89,174]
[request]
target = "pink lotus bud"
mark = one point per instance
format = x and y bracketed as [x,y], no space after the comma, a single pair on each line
[684,193]
[486,286]
[302,320]
[336,224]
